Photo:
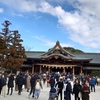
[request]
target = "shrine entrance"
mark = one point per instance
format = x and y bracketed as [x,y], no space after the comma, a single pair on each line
[68,70]
[58,69]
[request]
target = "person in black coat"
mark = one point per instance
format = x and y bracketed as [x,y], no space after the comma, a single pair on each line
[10,83]
[60,85]
[76,89]
[32,81]
[20,82]
[52,82]
[68,90]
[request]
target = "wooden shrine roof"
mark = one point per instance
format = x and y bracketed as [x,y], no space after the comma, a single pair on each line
[58,52]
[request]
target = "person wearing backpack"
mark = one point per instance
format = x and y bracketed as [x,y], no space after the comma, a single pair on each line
[38,87]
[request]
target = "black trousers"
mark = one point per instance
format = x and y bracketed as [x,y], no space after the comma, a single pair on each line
[32,90]
[76,97]
[11,90]
[19,89]
[92,87]
[60,92]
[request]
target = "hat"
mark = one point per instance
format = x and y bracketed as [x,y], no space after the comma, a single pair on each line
[68,79]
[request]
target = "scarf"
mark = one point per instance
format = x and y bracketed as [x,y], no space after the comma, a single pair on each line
[85,85]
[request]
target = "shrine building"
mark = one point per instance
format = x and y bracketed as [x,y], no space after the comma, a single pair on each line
[58,59]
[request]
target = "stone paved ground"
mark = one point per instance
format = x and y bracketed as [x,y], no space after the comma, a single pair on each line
[44,95]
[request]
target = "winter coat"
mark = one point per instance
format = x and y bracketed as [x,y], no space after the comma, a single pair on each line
[76,89]
[68,91]
[60,85]
[3,81]
[85,93]
[92,81]
[32,81]
[52,82]
[57,78]
[25,80]
[11,81]
[19,80]
[28,85]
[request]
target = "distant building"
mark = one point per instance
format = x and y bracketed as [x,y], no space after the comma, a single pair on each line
[58,59]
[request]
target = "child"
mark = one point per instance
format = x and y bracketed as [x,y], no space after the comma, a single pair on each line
[38,87]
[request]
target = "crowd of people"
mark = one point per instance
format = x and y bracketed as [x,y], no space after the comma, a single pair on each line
[65,85]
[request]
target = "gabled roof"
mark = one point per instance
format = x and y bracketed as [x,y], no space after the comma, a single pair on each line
[57,49]
[56,52]
[66,57]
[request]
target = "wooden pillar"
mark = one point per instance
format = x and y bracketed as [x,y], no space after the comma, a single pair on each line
[73,71]
[33,69]
[81,70]
[64,69]
[48,69]
[40,68]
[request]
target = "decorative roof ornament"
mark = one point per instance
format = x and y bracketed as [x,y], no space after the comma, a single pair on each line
[57,47]
[57,42]
[56,57]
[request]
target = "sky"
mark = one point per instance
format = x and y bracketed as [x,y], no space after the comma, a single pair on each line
[74,23]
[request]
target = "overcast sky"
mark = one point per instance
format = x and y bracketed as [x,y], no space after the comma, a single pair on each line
[74,23]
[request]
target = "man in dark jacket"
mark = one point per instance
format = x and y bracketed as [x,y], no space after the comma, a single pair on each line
[60,85]
[32,81]
[19,81]
[10,83]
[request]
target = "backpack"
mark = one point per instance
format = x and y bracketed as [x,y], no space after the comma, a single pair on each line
[37,85]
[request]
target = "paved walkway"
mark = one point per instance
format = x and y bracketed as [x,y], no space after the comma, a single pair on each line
[45,94]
